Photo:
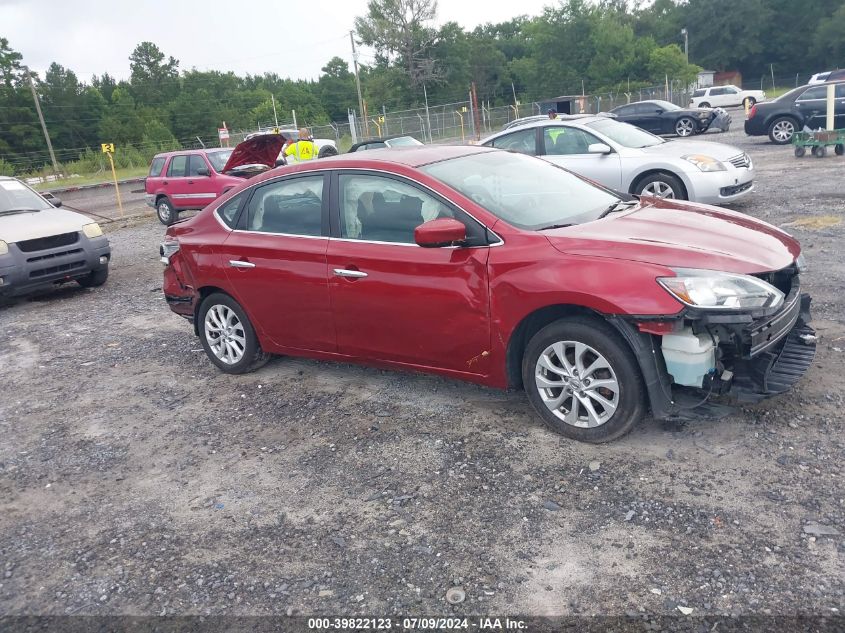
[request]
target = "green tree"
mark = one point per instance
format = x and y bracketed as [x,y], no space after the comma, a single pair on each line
[828,42]
[670,61]
[336,88]
[154,80]
[400,28]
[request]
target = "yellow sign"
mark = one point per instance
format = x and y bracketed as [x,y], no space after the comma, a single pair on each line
[463,109]
[381,119]
[108,148]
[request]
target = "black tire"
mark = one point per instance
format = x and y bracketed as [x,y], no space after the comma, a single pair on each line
[653,181]
[685,127]
[819,151]
[782,130]
[328,150]
[703,104]
[800,150]
[253,356]
[167,215]
[600,338]
[839,149]
[94,279]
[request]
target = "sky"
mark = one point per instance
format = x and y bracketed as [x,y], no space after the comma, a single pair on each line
[293,38]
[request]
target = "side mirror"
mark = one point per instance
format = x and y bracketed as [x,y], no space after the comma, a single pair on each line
[52,199]
[599,148]
[203,171]
[440,232]
[658,111]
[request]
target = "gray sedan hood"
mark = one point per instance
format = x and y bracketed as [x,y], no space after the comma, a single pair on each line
[676,149]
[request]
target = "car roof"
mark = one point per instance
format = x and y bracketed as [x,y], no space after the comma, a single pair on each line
[199,150]
[560,120]
[379,139]
[412,156]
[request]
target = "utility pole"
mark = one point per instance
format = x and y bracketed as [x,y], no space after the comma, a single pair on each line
[685,33]
[358,83]
[427,117]
[275,118]
[41,118]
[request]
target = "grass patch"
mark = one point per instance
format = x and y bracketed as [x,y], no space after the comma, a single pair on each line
[93,179]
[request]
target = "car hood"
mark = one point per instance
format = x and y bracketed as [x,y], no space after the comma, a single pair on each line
[34,224]
[259,150]
[688,235]
[676,149]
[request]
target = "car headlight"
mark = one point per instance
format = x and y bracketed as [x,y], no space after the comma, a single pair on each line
[801,264]
[705,163]
[714,290]
[4,248]
[92,230]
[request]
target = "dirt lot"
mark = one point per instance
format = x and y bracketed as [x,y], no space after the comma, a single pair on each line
[137,479]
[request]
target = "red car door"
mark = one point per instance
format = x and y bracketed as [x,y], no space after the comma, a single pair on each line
[175,183]
[394,300]
[276,262]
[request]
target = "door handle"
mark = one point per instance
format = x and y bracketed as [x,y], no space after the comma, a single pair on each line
[190,182]
[165,183]
[237,263]
[354,274]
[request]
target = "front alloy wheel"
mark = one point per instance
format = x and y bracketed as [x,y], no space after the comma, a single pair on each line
[583,380]
[685,127]
[577,384]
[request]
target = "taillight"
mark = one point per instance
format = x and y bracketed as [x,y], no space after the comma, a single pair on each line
[752,112]
[167,249]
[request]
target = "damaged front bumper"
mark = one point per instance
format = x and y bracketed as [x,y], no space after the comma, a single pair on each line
[756,358]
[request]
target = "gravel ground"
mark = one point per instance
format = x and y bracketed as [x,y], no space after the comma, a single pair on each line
[137,479]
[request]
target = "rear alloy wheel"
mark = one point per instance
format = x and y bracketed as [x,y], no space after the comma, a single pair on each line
[661,185]
[782,130]
[685,126]
[166,213]
[228,337]
[583,380]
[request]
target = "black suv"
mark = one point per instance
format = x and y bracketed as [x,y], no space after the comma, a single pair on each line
[803,107]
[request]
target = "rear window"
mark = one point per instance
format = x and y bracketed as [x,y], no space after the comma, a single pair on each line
[156,166]
[178,166]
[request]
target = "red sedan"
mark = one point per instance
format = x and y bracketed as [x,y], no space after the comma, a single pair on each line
[501,269]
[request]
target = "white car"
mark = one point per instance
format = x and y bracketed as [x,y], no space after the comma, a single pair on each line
[625,158]
[42,245]
[725,96]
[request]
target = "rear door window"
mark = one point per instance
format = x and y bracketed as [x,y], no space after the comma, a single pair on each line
[156,166]
[178,166]
[523,141]
[816,92]
[292,207]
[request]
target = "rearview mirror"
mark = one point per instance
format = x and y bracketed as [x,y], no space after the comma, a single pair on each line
[599,148]
[52,199]
[203,171]
[440,232]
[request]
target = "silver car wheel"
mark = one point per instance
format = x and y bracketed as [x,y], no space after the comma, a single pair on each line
[783,131]
[577,384]
[659,189]
[225,334]
[684,127]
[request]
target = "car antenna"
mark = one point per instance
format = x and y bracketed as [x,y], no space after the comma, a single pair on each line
[201,143]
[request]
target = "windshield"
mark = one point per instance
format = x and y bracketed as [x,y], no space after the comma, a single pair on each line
[524,191]
[16,196]
[666,105]
[218,159]
[403,141]
[625,134]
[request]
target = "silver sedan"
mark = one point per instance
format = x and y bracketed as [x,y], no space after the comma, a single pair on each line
[626,158]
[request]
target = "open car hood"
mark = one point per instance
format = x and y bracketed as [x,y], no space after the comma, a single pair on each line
[259,150]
